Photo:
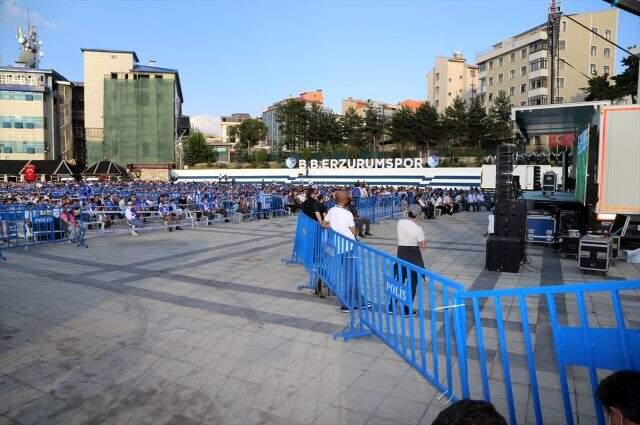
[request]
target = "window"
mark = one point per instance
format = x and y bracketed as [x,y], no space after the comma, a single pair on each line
[594,50]
[559,100]
[560,82]
[114,56]
[449,93]
[523,71]
[538,100]
[501,92]
[114,76]
[538,64]
[512,91]
[606,52]
[523,53]
[593,69]
[17,124]
[490,65]
[607,34]
[145,76]
[31,150]
[6,124]
[512,57]
[512,74]
[560,64]
[126,76]
[523,88]
[28,97]
[500,61]
[538,83]
[594,29]
[490,81]
[490,97]
[449,79]
[158,76]
[561,45]
[7,149]
[482,67]
[605,70]
[29,125]
[437,76]
[437,89]
[564,26]
[499,78]
[437,103]
[537,46]
[523,103]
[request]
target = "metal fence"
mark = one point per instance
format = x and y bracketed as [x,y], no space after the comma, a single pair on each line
[539,350]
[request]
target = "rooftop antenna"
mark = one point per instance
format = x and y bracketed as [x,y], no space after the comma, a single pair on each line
[30,53]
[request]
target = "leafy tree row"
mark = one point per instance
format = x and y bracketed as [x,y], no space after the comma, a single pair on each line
[469,125]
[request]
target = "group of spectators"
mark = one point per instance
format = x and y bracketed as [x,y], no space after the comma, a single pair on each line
[451,201]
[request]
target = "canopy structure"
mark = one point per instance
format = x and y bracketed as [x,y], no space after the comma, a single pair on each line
[557,118]
[105,169]
[49,168]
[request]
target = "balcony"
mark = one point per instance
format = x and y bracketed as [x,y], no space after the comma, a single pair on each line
[540,54]
[541,91]
[544,72]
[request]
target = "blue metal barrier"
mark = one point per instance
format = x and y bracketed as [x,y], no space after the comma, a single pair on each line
[447,338]
[578,343]
[23,226]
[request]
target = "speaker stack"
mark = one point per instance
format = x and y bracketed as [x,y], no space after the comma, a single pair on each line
[506,247]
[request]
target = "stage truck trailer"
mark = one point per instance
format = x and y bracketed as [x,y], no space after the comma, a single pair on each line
[618,170]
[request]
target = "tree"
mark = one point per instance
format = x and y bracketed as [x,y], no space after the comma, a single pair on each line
[477,122]
[454,122]
[249,133]
[353,130]
[500,125]
[617,87]
[292,118]
[428,129]
[373,125]
[197,150]
[600,88]
[403,128]
[627,81]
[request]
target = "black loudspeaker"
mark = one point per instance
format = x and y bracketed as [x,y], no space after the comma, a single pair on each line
[510,218]
[549,181]
[536,178]
[503,254]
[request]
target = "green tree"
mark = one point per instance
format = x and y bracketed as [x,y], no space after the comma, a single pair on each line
[614,89]
[477,123]
[249,133]
[627,81]
[197,151]
[353,130]
[373,125]
[600,88]
[428,129]
[292,117]
[403,129]
[454,121]
[500,125]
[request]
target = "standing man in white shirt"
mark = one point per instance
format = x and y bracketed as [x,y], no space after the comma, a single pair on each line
[411,241]
[341,221]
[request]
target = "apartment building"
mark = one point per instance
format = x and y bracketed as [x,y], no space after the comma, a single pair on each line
[450,78]
[131,111]
[228,122]
[361,106]
[519,66]
[35,114]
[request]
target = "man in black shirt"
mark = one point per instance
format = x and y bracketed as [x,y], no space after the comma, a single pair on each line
[311,207]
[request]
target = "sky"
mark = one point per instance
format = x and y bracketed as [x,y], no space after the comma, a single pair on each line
[242,56]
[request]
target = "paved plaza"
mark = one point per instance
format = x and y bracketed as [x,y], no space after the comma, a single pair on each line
[206,326]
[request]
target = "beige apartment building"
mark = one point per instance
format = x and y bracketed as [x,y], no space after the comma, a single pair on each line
[97,64]
[450,78]
[519,66]
[227,122]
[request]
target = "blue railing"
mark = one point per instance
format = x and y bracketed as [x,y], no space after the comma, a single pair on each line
[446,339]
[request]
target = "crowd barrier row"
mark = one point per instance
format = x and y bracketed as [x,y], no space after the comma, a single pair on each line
[453,337]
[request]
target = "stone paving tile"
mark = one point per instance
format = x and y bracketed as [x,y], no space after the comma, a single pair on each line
[206,326]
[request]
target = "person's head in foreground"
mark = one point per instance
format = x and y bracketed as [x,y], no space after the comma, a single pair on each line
[619,393]
[470,412]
